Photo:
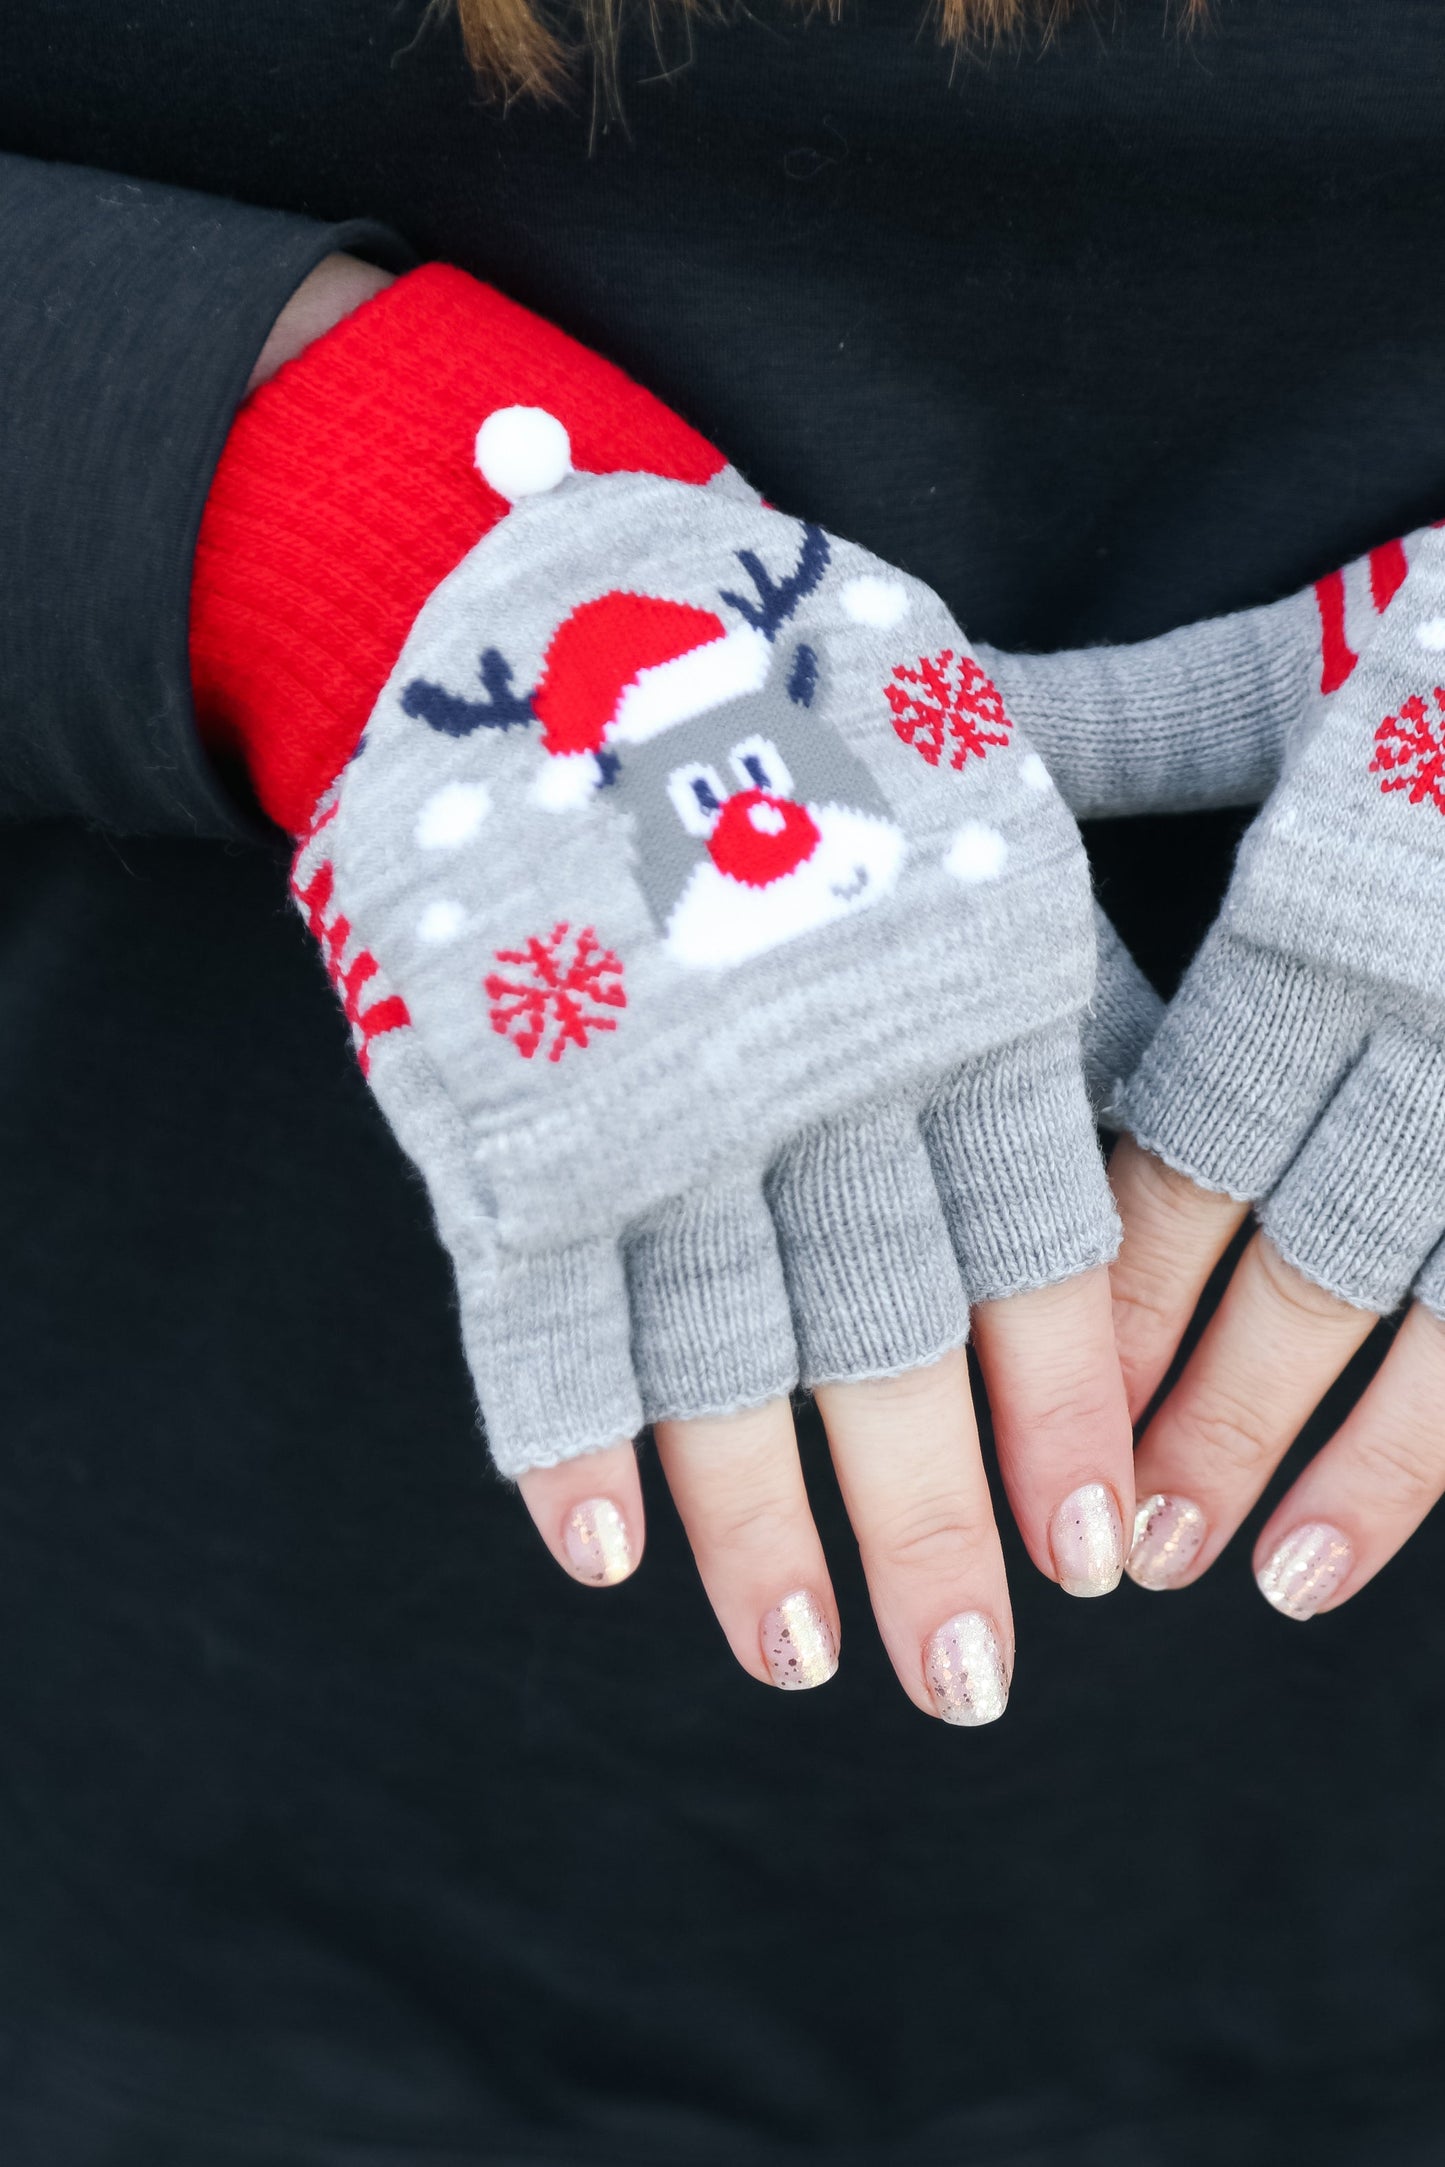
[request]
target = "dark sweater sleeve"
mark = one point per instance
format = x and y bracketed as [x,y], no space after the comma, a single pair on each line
[130,319]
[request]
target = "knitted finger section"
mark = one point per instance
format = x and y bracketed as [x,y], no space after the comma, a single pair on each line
[1302,1065]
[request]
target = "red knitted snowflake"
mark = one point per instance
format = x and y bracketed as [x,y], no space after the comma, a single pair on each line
[560,986]
[947,698]
[1410,750]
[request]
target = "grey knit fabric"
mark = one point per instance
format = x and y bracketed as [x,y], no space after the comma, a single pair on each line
[718,950]
[1302,1065]
[1121,1020]
[1196,718]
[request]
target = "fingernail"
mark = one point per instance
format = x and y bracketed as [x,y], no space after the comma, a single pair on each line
[1086,1538]
[798,1643]
[1168,1535]
[965,1667]
[1306,1569]
[597,1544]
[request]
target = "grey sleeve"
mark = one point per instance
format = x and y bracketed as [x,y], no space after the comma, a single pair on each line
[130,318]
[1196,718]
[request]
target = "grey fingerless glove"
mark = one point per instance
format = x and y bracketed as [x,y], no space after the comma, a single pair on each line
[743,946]
[1302,1065]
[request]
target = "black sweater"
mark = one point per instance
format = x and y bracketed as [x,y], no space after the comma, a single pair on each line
[336,1828]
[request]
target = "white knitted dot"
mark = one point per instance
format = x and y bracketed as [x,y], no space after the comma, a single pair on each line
[452,815]
[870,600]
[441,921]
[566,781]
[1432,634]
[522,451]
[978,853]
[1285,821]
[1034,774]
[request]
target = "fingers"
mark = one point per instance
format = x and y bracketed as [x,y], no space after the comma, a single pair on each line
[1016,1160]
[870,1273]
[738,1487]
[1268,1355]
[1364,1201]
[875,1288]
[1365,1494]
[589,1514]
[907,1455]
[1251,1049]
[1174,1235]
[1061,1427]
[711,1327]
[1354,1212]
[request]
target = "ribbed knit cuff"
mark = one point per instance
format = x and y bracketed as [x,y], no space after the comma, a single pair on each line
[348,491]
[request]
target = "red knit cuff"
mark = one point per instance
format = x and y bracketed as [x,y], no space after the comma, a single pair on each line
[347,491]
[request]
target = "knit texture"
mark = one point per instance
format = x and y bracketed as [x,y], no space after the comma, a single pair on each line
[1198,717]
[1205,715]
[706,929]
[347,492]
[743,936]
[1303,1064]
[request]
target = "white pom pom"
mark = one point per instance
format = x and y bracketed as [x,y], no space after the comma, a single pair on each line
[978,853]
[567,781]
[869,600]
[522,451]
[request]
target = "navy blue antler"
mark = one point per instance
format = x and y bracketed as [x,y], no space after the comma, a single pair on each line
[502,709]
[777,599]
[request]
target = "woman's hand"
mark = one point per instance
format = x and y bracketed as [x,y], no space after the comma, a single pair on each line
[793,1083]
[907,1454]
[1268,1355]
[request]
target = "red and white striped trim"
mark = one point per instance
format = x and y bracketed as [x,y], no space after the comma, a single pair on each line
[369,1005]
[1351,603]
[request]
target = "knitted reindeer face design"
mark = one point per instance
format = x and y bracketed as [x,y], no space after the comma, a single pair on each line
[751,821]
[677,826]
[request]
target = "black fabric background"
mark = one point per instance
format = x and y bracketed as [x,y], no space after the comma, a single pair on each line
[335,1827]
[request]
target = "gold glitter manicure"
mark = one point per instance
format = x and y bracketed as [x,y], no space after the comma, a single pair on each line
[596,1542]
[798,1643]
[965,1668]
[1305,1569]
[1168,1536]
[1086,1537]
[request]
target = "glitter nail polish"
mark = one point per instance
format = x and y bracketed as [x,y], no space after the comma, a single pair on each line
[1086,1538]
[965,1669]
[1305,1569]
[798,1643]
[596,1542]
[1168,1536]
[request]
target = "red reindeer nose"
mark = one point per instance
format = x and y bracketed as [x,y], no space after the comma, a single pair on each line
[759,838]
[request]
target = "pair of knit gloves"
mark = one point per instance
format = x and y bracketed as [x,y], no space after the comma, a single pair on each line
[708,912]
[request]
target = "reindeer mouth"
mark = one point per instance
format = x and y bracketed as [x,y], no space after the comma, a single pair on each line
[848,891]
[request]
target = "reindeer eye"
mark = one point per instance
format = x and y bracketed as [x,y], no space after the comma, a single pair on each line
[803,677]
[759,765]
[697,795]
